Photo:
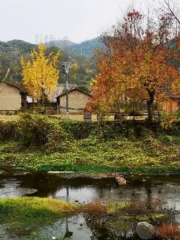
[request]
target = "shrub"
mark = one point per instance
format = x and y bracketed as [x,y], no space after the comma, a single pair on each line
[78,129]
[95,208]
[8,130]
[169,231]
[40,131]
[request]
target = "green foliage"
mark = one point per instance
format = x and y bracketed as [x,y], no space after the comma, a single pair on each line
[38,142]
[7,130]
[41,131]
[85,48]
[78,129]
[12,51]
[31,213]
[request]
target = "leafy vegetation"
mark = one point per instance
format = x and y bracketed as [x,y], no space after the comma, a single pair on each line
[40,74]
[24,216]
[37,142]
[31,213]
[137,65]
[12,51]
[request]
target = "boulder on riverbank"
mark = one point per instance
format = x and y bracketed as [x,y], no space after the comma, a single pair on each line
[121,181]
[145,230]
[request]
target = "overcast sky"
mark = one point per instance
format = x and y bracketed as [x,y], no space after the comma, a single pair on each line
[77,20]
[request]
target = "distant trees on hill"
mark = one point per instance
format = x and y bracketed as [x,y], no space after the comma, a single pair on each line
[12,51]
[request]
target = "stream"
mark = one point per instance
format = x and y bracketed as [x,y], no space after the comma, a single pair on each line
[84,190]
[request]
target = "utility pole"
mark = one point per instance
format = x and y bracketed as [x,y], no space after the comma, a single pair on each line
[67,66]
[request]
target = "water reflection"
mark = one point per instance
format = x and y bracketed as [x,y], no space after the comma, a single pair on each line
[11,188]
[83,190]
[72,227]
[82,195]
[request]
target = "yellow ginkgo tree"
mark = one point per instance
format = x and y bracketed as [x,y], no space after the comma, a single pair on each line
[40,75]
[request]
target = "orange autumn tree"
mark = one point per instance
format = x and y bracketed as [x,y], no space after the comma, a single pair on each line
[40,74]
[137,65]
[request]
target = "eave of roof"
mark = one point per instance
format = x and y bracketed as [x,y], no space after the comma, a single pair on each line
[72,90]
[12,85]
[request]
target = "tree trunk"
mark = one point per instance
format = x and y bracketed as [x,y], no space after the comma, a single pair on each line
[42,101]
[43,97]
[150,105]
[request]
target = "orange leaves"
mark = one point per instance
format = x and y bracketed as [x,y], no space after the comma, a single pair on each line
[169,231]
[138,64]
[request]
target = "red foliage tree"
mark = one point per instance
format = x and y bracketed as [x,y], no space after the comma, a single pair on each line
[138,63]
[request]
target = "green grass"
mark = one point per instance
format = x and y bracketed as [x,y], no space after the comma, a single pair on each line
[24,216]
[27,214]
[39,143]
[154,154]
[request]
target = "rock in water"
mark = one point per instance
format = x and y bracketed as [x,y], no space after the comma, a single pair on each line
[145,230]
[121,181]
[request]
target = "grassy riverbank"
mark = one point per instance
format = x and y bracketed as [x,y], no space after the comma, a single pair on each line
[25,215]
[52,145]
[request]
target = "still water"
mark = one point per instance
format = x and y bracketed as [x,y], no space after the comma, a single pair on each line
[84,190]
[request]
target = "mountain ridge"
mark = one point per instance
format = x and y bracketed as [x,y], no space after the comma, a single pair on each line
[85,48]
[12,51]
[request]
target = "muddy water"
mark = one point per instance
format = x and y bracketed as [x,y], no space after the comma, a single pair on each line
[83,190]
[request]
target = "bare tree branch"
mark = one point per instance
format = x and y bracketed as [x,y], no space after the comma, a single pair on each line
[167,3]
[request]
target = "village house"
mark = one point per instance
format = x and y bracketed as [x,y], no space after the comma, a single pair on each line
[172,105]
[77,100]
[12,98]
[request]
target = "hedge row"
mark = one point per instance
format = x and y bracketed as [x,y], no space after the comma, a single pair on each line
[41,130]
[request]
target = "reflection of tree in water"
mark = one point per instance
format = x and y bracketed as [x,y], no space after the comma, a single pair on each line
[68,234]
[121,226]
[148,189]
[95,223]
[110,227]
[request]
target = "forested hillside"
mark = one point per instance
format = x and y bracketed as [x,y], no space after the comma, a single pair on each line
[62,44]
[86,48]
[12,51]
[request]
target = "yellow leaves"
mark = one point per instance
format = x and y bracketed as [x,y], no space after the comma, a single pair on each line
[89,71]
[74,70]
[93,82]
[39,73]
[75,66]
[7,73]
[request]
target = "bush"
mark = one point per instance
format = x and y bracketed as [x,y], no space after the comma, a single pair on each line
[55,134]
[40,131]
[8,130]
[78,129]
